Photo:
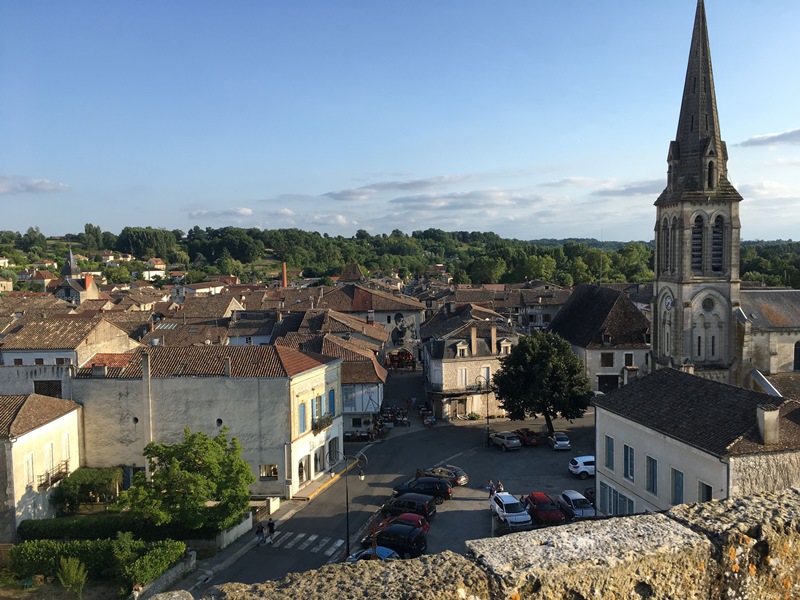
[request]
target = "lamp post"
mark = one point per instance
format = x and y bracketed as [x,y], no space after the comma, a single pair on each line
[481,382]
[334,456]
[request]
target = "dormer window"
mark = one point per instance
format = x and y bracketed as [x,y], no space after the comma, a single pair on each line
[606,339]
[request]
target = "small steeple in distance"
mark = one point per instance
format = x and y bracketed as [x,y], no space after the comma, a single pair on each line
[70,269]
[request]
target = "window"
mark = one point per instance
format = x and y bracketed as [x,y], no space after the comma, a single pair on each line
[651,485]
[332,402]
[628,466]
[796,365]
[314,413]
[677,486]
[629,359]
[545,318]
[697,245]
[249,341]
[267,472]
[17,362]
[613,502]
[349,398]
[318,412]
[462,352]
[717,239]
[65,450]
[38,361]
[357,422]
[388,318]
[301,417]
[606,359]
[29,473]
[704,492]
[49,452]
[462,378]
[609,464]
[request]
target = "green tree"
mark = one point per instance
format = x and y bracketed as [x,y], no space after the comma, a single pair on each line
[189,476]
[542,376]
[73,575]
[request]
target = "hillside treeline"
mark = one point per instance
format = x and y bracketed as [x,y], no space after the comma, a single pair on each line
[471,257]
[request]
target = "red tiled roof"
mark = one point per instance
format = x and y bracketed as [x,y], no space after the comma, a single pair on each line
[20,414]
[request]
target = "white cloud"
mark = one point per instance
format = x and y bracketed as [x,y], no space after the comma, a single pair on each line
[221,213]
[762,189]
[10,185]
[772,139]
[577,181]
[286,212]
[636,188]
[783,162]
[366,192]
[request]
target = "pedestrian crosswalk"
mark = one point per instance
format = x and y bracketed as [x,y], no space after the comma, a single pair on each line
[289,540]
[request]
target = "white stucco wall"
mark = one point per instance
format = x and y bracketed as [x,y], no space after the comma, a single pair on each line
[19,380]
[695,464]
[773,351]
[593,368]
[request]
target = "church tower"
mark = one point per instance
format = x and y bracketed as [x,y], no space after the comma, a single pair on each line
[696,287]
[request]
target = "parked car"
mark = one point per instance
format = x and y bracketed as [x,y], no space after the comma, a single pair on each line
[380,553]
[408,541]
[505,440]
[508,509]
[590,495]
[420,504]
[528,437]
[455,475]
[543,510]
[437,487]
[407,519]
[582,466]
[575,505]
[559,441]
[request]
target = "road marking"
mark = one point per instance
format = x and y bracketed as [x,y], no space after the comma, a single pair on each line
[296,539]
[281,538]
[334,547]
[307,543]
[322,543]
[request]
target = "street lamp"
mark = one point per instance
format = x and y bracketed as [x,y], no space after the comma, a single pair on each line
[334,456]
[478,380]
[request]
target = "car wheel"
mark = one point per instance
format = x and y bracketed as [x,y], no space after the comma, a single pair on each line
[439,499]
[584,475]
[503,448]
[406,554]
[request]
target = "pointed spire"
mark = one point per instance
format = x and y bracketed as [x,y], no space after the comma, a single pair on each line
[70,270]
[698,158]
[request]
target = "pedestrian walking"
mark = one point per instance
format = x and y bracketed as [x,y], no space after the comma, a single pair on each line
[500,487]
[271,529]
[491,488]
[261,537]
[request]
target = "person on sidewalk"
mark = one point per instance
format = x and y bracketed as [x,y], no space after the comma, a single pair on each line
[500,487]
[261,537]
[271,529]
[491,488]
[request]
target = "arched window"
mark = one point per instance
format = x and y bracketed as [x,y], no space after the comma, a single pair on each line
[665,246]
[674,249]
[697,245]
[712,175]
[717,244]
[797,356]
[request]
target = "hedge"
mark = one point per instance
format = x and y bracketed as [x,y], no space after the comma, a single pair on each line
[125,559]
[100,526]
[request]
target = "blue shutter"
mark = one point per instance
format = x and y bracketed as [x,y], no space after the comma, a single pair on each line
[301,417]
[332,403]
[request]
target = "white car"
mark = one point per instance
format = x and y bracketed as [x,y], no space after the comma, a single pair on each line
[582,466]
[509,509]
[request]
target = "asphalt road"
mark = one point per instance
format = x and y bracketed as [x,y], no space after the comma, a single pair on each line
[315,535]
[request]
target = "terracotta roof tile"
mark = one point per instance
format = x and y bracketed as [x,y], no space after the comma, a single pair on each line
[20,414]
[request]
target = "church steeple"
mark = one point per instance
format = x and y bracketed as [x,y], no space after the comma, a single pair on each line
[697,231]
[70,269]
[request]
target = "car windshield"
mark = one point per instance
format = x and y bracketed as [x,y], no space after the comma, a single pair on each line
[514,507]
[581,503]
[561,437]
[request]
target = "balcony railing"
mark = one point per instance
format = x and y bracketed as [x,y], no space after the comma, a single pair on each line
[54,475]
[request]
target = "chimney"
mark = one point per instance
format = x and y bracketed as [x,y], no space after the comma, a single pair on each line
[145,365]
[227,366]
[493,349]
[687,367]
[768,416]
[284,278]
[87,280]
[473,341]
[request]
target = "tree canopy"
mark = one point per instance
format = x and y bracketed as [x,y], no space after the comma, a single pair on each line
[542,376]
[186,477]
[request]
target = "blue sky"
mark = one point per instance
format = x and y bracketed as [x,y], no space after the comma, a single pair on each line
[528,118]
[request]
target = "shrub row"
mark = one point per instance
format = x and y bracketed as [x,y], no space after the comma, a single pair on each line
[101,526]
[125,559]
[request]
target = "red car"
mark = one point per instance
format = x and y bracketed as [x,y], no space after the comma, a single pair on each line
[407,519]
[543,510]
[528,437]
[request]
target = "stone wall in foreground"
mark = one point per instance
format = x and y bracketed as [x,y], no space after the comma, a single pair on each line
[744,548]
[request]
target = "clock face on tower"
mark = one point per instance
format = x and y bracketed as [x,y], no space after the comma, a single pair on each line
[668,302]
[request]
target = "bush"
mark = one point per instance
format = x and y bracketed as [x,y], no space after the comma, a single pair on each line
[473,416]
[42,557]
[72,575]
[160,557]
[85,485]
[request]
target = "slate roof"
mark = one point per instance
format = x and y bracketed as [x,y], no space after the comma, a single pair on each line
[351,273]
[208,361]
[56,333]
[440,324]
[332,321]
[174,332]
[208,307]
[357,298]
[32,304]
[598,317]
[246,327]
[20,414]
[717,418]
[359,366]
[772,309]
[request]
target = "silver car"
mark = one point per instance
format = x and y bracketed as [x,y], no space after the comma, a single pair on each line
[559,441]
[506,440]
